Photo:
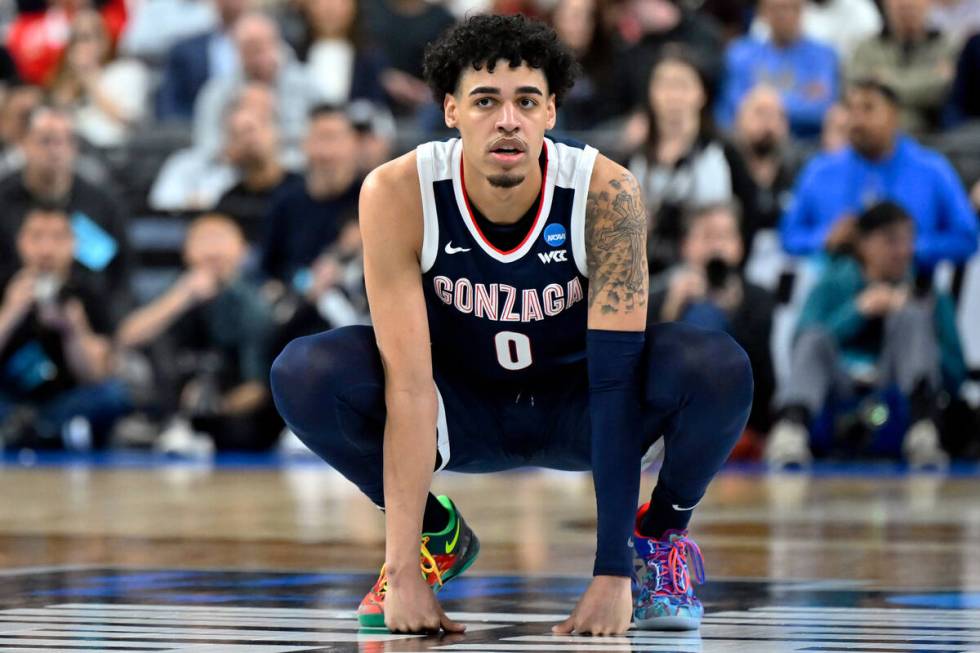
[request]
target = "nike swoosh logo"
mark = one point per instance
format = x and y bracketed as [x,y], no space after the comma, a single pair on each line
[455,250]
[452,542]
[677,507]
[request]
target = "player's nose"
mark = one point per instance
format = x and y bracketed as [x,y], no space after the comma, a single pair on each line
[507,117]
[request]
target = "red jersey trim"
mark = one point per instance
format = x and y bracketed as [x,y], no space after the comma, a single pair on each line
[537,217]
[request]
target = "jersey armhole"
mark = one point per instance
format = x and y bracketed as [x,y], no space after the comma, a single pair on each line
[424,160]
[583,179]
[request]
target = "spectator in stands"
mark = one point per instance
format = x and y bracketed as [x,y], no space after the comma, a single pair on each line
[762,136]
[880,163]
[911,59]
[154,27]
[868,321]
[958,20]
[834,136]
[265,59]
[683,163]
[342,66]
[37,38]
[804,71]
[195,60]
[647,27]
[55,354]
[194,179]
[18,104]
[220,327]
[107,97]
[376,134]
[402,28]
[49,177]
[252,147]
[841,24]
[578,25]
[332,295]
[707,289]
[306,218]
[964,99]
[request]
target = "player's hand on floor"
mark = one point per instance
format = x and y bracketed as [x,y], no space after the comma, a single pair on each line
[606,608]
[412,607]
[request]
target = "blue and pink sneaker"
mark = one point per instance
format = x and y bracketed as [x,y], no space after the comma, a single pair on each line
[664,598]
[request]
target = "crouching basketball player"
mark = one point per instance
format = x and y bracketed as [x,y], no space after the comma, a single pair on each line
[507,279]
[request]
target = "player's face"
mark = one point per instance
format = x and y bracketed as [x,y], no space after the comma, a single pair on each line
[502,117]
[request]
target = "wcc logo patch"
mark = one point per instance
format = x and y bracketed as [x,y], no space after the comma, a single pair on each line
[554,235]
[557,256]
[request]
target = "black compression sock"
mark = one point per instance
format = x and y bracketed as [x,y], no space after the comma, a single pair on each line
[436,517]
[662,515]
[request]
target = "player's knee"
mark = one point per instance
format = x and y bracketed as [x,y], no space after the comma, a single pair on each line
[300,374]
[286,375]
[721,367]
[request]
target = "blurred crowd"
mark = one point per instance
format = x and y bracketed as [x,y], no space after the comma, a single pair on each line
[179,184]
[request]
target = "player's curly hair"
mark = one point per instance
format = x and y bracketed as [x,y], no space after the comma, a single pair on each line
[483,40]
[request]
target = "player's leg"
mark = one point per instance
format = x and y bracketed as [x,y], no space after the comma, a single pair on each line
[329,388]
[697,394]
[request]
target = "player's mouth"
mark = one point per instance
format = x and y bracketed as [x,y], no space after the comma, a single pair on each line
[508,151]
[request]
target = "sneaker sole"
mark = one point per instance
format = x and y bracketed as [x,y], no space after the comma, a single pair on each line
[669,623]
[470,555]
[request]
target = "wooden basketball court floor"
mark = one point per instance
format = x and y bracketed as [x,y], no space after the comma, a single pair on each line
[257,556]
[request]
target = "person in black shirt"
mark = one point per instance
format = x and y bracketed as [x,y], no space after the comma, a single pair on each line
[402,28]
[762,136]
[252,146]
[306,218]
[55,354]
[48,177]
[220,326]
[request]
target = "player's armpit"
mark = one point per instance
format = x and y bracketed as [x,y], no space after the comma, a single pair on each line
[615,241]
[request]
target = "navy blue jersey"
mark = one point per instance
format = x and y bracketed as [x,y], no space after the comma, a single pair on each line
[511,315]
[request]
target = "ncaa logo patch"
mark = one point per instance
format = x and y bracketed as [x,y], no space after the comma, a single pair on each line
[554,235]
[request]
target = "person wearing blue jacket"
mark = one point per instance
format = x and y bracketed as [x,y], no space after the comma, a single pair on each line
[880,163]
[803,71]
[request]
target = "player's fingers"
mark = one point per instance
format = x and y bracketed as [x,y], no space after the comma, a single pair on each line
[451,626]
[564,628]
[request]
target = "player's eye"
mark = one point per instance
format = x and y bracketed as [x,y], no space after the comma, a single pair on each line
[484,102]
[528,103]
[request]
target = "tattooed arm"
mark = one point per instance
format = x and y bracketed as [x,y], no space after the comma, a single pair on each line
[615,243]
[615,240]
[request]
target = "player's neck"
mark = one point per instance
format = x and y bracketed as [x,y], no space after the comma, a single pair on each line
[502,205]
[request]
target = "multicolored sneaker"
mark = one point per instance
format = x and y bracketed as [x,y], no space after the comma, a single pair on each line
[665,596]
[444,556]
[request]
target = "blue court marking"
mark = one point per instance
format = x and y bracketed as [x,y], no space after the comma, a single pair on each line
[148,460]
[344,588]
[946,600]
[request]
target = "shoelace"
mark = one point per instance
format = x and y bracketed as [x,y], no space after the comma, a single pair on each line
[427,565]
[682,549]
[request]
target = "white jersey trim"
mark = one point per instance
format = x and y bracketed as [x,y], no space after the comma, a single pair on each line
[442,432]
[426,161]
[581,182]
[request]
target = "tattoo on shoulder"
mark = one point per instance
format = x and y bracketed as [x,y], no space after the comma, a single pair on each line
[615,241]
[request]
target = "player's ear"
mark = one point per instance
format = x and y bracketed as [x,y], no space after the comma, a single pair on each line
[552,108]
[450,110]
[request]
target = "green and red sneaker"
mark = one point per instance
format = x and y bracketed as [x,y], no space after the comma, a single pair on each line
[444,556]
